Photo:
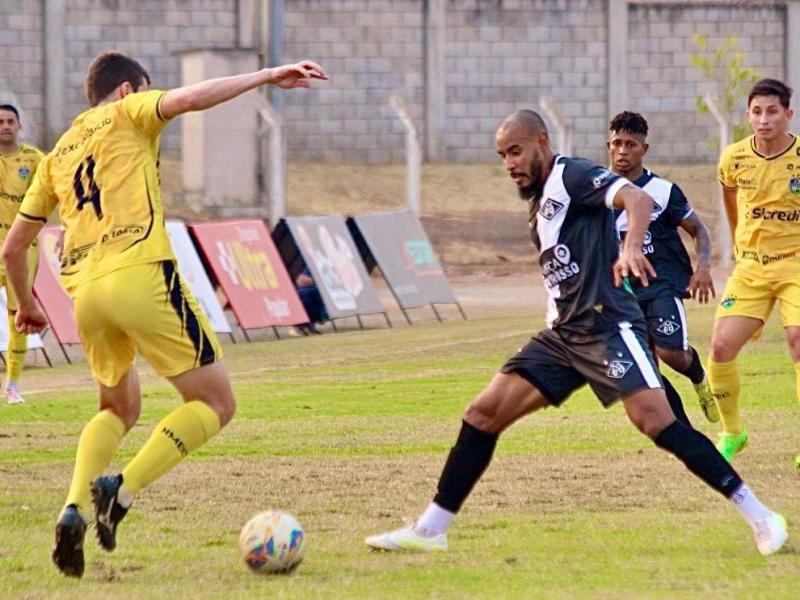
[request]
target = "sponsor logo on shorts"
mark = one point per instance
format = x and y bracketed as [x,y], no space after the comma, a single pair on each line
[668,327]
[618,368]
[728,302]
[550,208]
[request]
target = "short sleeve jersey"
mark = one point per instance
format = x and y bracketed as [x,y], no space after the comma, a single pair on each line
[663,246]
[768,208]
[16,174]
[103,176]
[572,226]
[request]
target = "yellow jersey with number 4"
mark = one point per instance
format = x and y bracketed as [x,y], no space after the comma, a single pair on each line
[103,176]
[768,208]
[16,173]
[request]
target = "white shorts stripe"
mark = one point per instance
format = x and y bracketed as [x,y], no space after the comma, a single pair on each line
[639,355]
[684,329]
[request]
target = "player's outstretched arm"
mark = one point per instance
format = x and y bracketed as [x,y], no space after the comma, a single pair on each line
[208,93]
[631,261]
[729,202]
[29,318]
[701,285]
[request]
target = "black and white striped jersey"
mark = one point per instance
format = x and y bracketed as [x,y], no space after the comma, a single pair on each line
[662,243]
[572,226]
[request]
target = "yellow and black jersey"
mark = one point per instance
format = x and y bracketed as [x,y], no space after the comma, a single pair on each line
[16,174]
[103,175]
[768,208]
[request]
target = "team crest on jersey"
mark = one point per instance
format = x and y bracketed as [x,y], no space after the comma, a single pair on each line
[728,301]
[599,179]
[668,327]
[550,208]
[618,368]
[794,185]
[562,253]
[24,173]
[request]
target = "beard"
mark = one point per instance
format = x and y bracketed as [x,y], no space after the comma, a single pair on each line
[534,189]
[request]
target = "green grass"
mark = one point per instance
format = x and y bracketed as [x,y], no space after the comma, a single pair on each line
[349,432]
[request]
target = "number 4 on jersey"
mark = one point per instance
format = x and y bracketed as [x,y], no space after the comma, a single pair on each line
[80,191]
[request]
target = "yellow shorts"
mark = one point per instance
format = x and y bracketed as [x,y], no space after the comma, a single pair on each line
[33,264]
[749,297]
[148,308]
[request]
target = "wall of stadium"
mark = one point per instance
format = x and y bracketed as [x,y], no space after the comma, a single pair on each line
[498,55]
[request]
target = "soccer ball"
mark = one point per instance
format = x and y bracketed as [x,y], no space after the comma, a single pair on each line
[272,542]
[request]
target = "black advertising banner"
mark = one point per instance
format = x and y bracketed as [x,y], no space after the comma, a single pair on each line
[335,265]
[400,247]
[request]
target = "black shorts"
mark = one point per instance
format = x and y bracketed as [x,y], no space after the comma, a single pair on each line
[666,322]
[615,366]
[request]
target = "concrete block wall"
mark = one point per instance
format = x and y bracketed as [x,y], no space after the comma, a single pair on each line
[663,84]
[502,56]
[372,49]
[499,55]
[22,61]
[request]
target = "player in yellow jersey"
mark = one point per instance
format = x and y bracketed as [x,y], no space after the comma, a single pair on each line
[118,267]
[18,163]
[760,178]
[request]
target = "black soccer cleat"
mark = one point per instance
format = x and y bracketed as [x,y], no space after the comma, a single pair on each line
[70,531]
[108,511]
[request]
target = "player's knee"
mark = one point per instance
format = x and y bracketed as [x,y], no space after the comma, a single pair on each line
[482,414]
[722,350]
[678,359]
[652,420]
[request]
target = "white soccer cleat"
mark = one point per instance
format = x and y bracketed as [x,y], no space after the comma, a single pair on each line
[406,539]
[770,534]
[13,396]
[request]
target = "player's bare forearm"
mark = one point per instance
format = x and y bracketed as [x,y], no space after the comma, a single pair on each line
[729,202]
[15,251]
[695,227]
[209,93]
[639,206]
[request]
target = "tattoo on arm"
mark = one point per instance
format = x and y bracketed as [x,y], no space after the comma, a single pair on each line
[702,240]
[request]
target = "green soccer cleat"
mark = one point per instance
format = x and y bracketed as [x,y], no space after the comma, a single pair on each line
[706,400]
[70,531]
[730,444]
[406,539]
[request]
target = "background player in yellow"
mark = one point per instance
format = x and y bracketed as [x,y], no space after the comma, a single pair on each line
[18,163]
[760,178]
[118,266]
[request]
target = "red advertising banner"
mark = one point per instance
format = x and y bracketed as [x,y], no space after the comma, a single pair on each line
[250,272]
[57,305]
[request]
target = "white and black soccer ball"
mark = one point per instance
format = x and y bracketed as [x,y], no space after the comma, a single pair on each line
[272,542]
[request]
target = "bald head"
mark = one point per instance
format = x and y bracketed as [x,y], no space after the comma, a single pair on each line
[529,122]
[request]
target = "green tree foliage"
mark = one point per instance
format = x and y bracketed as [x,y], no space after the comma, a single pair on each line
[724,68]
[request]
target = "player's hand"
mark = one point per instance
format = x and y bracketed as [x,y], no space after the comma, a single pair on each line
[297,75]
[701,286]
[632,262]
[30,320]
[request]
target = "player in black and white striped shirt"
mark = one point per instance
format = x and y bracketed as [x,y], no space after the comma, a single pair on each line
[596,334]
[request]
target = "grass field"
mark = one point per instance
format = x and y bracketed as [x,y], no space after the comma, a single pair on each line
[349,432]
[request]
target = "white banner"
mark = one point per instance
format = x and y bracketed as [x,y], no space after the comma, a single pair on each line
[192,271]
[34,341]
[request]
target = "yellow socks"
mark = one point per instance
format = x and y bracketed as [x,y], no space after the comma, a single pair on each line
[723,378]
[17,348]
[181,432]
[99,441]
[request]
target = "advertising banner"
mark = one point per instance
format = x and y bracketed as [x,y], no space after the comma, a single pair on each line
[335,265]
[192,271]
[400,247]
[55,302]
[250,272]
